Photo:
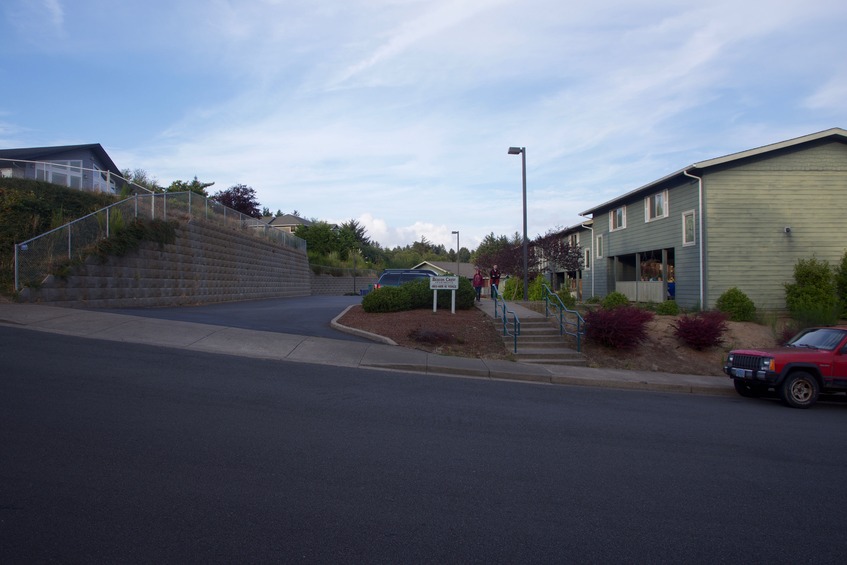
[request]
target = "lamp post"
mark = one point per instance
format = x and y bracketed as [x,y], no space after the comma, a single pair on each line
[522,152]
[457,252]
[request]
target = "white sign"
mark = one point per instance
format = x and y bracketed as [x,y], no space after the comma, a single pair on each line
[444,283]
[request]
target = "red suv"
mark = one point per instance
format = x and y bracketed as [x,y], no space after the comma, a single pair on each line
[814,361]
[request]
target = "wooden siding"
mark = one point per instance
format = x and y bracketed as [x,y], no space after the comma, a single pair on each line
[748,208]
[640,236]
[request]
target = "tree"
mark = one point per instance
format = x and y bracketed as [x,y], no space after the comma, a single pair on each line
[506,253]
[194,186]
[558,252]
[240,197]
[142,178]
[321,239]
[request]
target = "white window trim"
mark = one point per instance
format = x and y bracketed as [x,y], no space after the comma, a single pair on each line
[587,260]
[648,208]
[694,219]
[599,246]
[613,214]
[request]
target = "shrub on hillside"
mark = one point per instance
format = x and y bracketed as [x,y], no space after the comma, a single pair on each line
[812,298]
[841,284]
[387,299]
[668,308]
[567,298]
[701,331]
[623,327]
[615,300]
[736,305]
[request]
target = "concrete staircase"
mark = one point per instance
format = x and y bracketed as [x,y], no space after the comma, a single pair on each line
[541,343]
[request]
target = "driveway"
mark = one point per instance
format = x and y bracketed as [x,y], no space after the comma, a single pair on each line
[302,315]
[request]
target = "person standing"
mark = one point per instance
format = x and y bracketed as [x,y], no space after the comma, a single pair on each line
[494,276]
[477,284]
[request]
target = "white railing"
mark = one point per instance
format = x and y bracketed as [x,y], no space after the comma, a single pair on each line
[37,257]
[642,291]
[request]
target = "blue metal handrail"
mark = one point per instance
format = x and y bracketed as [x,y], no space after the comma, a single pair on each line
[516,323]
[565,324]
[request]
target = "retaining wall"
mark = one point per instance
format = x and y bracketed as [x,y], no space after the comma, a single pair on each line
[206,264]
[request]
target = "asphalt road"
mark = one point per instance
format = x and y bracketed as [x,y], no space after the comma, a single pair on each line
[303,315]
[120,453]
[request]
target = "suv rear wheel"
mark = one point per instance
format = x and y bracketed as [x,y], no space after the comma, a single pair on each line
[799,390]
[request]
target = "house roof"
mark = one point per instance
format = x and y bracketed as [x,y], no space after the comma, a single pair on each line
[40,153]
[288,220]
[836,134]
[465,269]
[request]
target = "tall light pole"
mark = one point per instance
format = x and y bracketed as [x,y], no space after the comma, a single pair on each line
[522,152]
[457,252]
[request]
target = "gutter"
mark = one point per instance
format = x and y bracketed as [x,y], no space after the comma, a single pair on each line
[592,255]
[699,239]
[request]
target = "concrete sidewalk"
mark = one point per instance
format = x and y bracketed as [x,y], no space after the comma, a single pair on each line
[269,345]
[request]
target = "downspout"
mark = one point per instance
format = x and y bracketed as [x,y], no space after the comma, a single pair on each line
[592,256]
[699,239]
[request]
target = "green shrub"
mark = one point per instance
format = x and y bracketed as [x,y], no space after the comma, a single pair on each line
[129,237]
[623,327]
[387,299]
[417,294]
[668,308]
[701,331]
[841,284]
[811,298]
[536,288]
[567,298]
[735,304]
[614,300]
[420,294]
[512,289]
[593,300]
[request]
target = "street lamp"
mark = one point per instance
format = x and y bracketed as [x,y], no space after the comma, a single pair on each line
[522,152]
[457,252]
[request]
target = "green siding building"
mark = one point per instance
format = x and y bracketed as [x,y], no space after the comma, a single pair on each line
[741,220]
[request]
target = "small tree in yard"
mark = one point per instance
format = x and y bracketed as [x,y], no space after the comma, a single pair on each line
[623,327]
[812,297]
[701,331]
[841,284]
[241,198]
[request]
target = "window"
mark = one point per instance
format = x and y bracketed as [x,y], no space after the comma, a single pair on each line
[617,218]
[65,173]
[599,246]
[586,266]
[688,232]
[656,206]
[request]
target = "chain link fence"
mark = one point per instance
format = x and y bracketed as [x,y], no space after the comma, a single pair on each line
[49,252]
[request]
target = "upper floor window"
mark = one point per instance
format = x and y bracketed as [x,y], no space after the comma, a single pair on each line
[656,206]
[599,246]
[689,236]
[617,218]
[587,262]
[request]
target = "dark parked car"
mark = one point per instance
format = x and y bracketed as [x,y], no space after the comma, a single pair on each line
[396,277]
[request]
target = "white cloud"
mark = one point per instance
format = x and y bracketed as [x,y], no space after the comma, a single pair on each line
[399,112]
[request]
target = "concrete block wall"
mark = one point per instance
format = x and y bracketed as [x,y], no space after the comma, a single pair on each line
[339,286]
[206,264]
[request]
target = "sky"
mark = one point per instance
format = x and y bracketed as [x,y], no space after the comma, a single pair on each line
[399,113]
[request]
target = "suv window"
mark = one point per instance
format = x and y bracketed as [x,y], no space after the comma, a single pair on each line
[395,278]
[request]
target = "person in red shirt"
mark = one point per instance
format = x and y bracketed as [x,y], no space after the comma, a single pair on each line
[477,284]
[494,276]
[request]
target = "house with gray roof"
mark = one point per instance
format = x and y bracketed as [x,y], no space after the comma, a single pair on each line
[83,167]
[742,220]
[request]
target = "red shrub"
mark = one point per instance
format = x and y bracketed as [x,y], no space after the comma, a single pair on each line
[702,331]
[623,327]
